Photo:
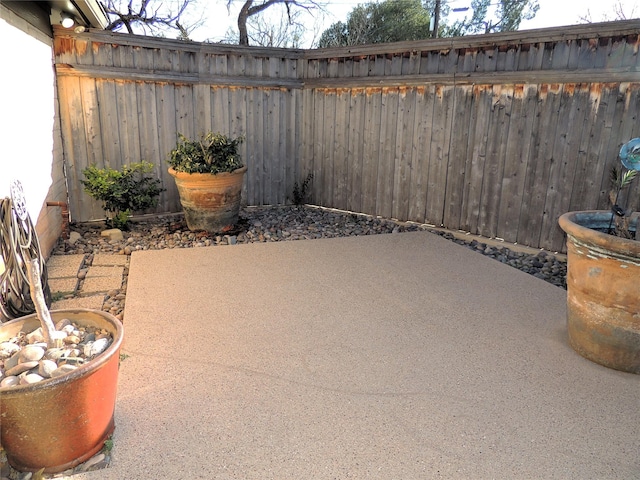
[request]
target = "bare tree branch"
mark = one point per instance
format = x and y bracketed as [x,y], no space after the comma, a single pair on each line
[151,16]
[250,8]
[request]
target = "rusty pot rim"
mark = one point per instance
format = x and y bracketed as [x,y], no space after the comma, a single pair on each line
[80,372]
[177,174]
[580,226]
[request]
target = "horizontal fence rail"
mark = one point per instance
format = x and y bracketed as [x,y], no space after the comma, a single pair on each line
[496,135]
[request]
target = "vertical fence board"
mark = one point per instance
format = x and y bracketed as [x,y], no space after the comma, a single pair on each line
[456,169]
[167,129]
[386,151]
[355,149]
[129,130]
[538,176]
[271,166]
[494,163]
[372,140]
[328,147]
[341,142]
[75,148]
[202,109]
[403,153]
[293,144]
[420,160]
[307,136]
[611,144]
[439,153]
[149,141]
[93,129]
[281,105]
[561,171]
[184,111]
[318,147]
[109,121]
[472,192]
[519,139]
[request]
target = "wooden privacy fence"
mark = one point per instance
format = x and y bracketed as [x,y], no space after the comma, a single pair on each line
[495,134]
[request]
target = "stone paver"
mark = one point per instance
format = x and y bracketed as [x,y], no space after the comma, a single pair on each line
[62,285]
[107,260]
[64,266]
[102,279]
[93,302]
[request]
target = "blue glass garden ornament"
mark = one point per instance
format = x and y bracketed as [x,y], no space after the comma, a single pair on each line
[630,154]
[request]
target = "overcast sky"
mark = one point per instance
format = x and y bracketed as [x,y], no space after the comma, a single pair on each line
[552,13]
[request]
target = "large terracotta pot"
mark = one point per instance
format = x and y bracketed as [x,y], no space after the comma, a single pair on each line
[603,291]
[61,422]
[210,202]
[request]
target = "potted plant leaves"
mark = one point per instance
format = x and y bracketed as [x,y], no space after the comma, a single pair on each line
[209,174]
[603,273]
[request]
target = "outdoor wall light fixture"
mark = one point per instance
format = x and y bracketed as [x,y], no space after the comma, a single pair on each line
[66,20]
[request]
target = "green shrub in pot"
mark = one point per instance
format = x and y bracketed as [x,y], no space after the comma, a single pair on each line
[211,153]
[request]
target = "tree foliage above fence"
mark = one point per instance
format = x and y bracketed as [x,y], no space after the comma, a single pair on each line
[496,134]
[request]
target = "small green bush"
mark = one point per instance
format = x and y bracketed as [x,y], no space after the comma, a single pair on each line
[301,192]
[211,153]
[122,191]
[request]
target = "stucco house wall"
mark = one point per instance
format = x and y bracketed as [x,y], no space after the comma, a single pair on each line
[29,110]
[32,132]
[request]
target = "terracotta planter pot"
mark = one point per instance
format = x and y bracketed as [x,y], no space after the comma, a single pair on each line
[61,422]
[603,291]
[210,202]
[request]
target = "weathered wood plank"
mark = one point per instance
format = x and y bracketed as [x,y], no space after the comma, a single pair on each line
[329,155]
[439,154]
[403,153]
[91,113]
[184,111]
[456,168]
[631,129]
[411,65]
[255,151]
[220,110]
[307,135]
[535,190]
[561,54]
[494,164]
[75,148]
[319,180]
[293,147]
[271,166]
[150,143]
[107,96]
[167,130]
[386,152]
[129,130]
[589,172]
[102,55]
[340,149]
[355,149]
[562,168]
[372,134]
[202,109]
[523,114]
[476,157]
[421,158]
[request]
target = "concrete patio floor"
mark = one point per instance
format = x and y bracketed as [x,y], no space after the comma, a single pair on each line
[400,356]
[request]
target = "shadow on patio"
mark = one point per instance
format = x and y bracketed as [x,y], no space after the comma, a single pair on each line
[387,356]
